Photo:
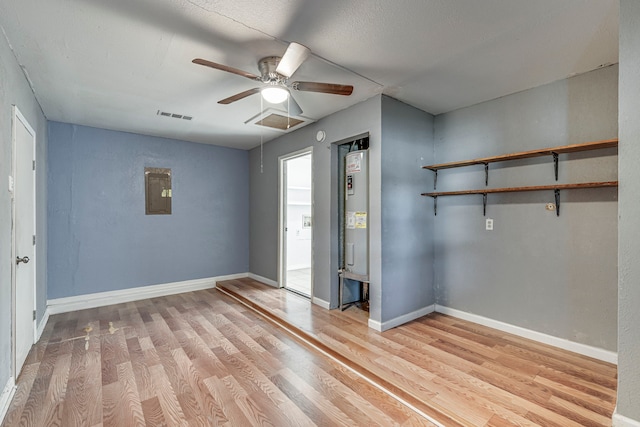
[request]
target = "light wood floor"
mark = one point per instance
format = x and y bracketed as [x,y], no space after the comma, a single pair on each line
[458,372]
[195,359]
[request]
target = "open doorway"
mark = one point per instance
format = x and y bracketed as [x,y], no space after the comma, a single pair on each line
[296,222]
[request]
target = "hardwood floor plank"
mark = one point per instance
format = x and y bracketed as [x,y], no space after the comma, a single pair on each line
[206,401]
[112,415]
[153,415]
[233,415]
[24,385]
[167,397]
[130,403]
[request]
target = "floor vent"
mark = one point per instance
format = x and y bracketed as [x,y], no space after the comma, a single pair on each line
[174,115]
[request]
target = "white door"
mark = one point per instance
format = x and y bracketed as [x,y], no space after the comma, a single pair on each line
[296,222]
[23,237]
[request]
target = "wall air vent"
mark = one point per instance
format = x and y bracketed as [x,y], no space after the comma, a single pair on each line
[278,120]
[174,115]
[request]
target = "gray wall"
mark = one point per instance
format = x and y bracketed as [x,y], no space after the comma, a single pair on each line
[407,217]
[555,275]
[356,120]
[629,211]
[99,236]
[15,90]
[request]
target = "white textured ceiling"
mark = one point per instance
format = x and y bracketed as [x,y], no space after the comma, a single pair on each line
[114,63]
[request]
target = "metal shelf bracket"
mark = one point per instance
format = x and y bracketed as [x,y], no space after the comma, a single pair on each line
[435,178]
[557,194]
[486,174]
[555,164]
[435,205]
[484,204]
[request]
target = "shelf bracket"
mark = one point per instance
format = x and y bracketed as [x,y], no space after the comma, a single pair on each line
[435,205]
[435,178]
[557,194]
[484,204]
[486,174]
[555,164]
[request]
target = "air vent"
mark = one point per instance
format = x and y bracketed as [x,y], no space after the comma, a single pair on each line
[278,120]
[174,115]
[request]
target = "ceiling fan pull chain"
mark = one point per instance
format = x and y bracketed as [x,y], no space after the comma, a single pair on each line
[261,164]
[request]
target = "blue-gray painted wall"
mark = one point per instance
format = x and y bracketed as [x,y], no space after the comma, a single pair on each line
[99,236]
[629,218]
[407,218]
[555,275]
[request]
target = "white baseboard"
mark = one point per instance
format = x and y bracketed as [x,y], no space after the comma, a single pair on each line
[42,324]
[264,280]
[586,350]
[322,303]
[100,299]
[6,397]
[397,321]
[622,421]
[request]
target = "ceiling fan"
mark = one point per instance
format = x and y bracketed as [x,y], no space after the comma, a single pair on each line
[275,72]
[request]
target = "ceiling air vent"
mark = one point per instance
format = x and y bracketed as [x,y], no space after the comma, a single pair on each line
[278,120]
[174,115]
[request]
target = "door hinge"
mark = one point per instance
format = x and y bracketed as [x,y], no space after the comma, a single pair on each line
[34,165]
[34,315]
[34,240]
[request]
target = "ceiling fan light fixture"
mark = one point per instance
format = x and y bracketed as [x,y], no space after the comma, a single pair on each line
[274,94]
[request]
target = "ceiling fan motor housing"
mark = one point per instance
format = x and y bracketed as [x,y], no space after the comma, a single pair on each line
[267,67]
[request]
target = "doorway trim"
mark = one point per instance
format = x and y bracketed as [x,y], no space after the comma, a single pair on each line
[282,182]
[15,116]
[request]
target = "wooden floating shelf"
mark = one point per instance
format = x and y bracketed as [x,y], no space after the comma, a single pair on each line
[596,145]
[521,189]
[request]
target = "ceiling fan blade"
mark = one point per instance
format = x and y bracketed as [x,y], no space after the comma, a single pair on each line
[292,59]
[291,106]
[331,88]
[226,68]
[239,96]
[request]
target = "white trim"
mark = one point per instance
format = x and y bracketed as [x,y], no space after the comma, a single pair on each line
[282,201]
[397,321]
[586,350]
[100,299]
[322,303]
[42,324]
[622,421]
[375,325]
[6,397]
[263,280]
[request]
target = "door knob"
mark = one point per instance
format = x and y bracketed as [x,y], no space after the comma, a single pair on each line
[24,259]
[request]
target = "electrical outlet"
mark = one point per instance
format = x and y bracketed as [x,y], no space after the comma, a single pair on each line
[489,224]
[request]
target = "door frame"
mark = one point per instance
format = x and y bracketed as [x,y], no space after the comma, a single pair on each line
[282,191]
[15,116]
